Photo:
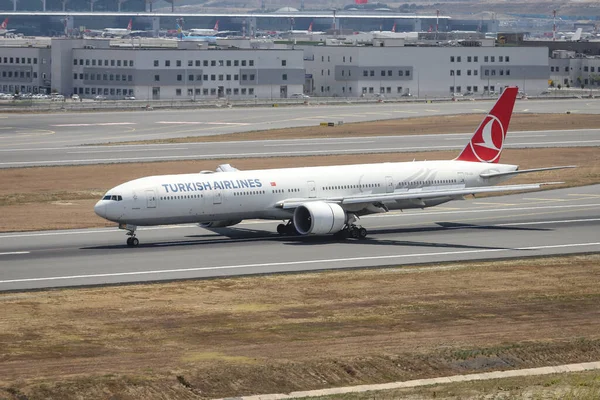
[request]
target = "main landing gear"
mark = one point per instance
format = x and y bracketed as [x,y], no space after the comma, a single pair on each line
[132,241]
[287,229]
[352,231]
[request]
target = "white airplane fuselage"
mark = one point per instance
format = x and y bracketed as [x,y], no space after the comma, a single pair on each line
[238,195]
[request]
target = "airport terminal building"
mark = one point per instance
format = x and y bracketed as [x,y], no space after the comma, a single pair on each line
[242,69]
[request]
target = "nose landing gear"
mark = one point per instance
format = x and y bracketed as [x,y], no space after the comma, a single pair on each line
[132,241]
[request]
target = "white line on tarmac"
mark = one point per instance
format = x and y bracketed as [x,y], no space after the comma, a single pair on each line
[376,216]
[123,150]
[14,252]
[98,124]
[288,263]
[587,143]
[319,143]
[200,123]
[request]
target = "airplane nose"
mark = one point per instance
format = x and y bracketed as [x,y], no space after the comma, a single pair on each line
[100,209]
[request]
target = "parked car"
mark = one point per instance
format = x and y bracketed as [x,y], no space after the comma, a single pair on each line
[75,97]
[129,97]
[100,98]
[299,96]
[58,97]
[406,95]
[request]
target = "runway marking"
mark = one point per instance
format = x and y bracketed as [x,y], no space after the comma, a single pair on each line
[97,124]
[14,252]
[201,123]
[319,143]
[545,200]
[121,151]
[387,215]
[496,204]
[304,262]
[585,195]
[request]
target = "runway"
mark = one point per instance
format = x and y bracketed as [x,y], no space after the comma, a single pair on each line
[24,131]
[530,224]
[11,158]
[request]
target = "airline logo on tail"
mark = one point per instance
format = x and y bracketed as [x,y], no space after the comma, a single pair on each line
[4,24]
[487,142]
[129,25]
[394,28]
[310,28]
[216,28]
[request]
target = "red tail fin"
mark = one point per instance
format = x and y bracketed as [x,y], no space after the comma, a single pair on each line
[129,25]
[4,24]
[216,28]
[310,28]
[394,28]
[488,140]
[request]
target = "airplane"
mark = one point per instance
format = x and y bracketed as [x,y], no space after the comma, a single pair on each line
[308,31]
[115,32]
[208,32]
[3,28]
[318,200]
[192,38]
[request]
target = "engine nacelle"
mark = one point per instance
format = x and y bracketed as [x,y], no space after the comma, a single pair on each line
[319,218]
[219,224]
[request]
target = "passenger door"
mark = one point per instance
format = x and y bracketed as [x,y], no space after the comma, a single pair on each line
[312,189]
[150,199]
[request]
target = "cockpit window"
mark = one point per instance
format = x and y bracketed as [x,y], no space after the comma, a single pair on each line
[113,197]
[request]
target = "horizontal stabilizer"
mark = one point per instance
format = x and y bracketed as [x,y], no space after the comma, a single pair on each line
[523,171]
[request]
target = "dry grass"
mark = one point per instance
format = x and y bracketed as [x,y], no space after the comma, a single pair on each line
[281,333]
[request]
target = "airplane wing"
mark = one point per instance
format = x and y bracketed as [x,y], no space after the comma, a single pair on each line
[413,194]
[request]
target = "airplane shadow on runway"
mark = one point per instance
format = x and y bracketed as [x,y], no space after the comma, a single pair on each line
[229,236]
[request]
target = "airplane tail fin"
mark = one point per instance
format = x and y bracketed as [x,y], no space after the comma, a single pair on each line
[310,28]
[394,28]
[488,140]
[129,24]
[216,28]
[4,24]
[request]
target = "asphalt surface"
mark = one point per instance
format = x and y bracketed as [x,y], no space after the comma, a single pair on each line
[57,139]
[531,224]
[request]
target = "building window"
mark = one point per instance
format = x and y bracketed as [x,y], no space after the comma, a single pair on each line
[221,63]
[236,91]
[508,72]
[177,92]
[74,76]
[191,77]
[458,72]
[236,63]
[458,59]
[372,72]
[190,92]
[205,92]
[251,77]
[178,63]
[407,72]
[468,72]
[500,58]
[205,63]
[493,72]
[283,63]
[451,72]
[213,77]
[451,58]
[469,58]
[179,77]
[365,73]
[74,61]
[476,59]
[228,77]
[284,77]
[251,91]
[190,63]
[486,72]
[382,73]
[506,59]
[205,77]
[156,63]
[236,77]
[131,64]
[198,92]
[167,63]
[485,59]
[197,63]
[112,63]
[220,77]
[475,72]
[156,78]
[243,91]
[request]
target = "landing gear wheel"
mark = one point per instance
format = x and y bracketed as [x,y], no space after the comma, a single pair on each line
[281,229]
[362,233]
[354,232]
[135,241]
[129,241]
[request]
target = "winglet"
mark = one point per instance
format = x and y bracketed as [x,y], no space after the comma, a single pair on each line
[488,140]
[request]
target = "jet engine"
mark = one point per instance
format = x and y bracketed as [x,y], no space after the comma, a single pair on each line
[219,224]
[319,218]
